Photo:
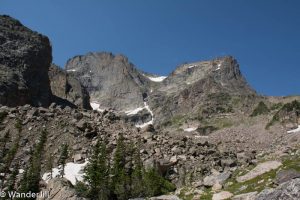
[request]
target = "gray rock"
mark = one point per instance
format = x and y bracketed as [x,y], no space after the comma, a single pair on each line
[259,170]
[67,87]
[286,191]
[165,197]
[25,57]
[78,158]
[222,195]
[246,196]
[110,79]
[60,189]
[286,175]
[219,178]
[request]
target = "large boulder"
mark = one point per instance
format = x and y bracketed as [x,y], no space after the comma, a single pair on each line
[259,170]
[59,189]
[286,191]
[25,57]
[68,87]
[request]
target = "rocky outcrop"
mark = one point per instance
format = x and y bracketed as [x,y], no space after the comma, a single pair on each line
[59,189]
[25,57]
[201,90]
[286,191]
[111,80]
[68,87]
[222,195]
[259,170]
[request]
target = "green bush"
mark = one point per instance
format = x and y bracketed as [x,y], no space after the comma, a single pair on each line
[2,116]
[293,106]
[260,109]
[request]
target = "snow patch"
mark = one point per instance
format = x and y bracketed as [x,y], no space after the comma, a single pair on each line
[71,70]
[191,66]
[190,129]
[135,111]
[295,130]
[157,79]
[219,67]
[201,136]
[152,119]
[73,172]
[96,106]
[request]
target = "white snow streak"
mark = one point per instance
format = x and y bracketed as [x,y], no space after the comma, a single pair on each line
[190,129]
[96,106]
[201,136]
[295,130]
[157,79]
[73,172]
[152,119]
[71,70]
[134,111]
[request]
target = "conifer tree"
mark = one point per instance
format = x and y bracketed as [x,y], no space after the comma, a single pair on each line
[137,181]
[31,175]
[49,165]
[12,178]
[120,179]
[64,154]
[97,173]
[3,141]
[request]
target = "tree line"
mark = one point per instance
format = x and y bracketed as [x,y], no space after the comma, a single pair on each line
[126,178]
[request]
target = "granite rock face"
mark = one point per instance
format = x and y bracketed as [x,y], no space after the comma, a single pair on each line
[25,57]
[68,87]
[111,80]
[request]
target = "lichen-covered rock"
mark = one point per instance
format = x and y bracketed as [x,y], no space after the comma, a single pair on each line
[25,57]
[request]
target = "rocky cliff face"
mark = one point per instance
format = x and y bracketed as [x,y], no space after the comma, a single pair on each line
[193,90]
[201,90]
[25,57]
[111,80]
[68,87]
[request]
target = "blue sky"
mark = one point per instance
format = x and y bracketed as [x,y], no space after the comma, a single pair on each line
[158,35]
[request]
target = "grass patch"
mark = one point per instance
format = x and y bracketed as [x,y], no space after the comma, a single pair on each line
[276,106]
[261,182]
[184,196]
[256,184]
[207,195]
[292,164]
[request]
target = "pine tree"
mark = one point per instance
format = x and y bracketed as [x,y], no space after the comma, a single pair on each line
[49,165]
[3,141]
[32,174]
[120,179]
[12,178]
[156,184]
[137,181]
[64,154]
[97,173]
